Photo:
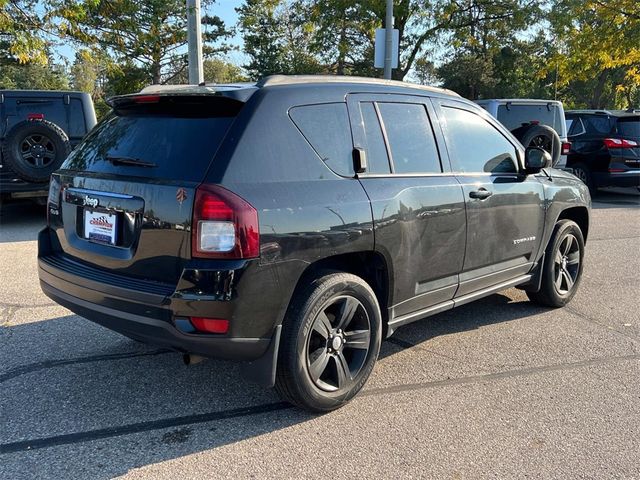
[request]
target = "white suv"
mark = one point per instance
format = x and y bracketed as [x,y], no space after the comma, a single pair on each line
[531,120]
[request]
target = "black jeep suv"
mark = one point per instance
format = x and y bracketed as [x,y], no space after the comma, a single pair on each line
[296,222]
[605,147]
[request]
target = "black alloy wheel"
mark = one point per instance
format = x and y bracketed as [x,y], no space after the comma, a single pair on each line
[566,264]
[338,343]
[330,341]
[562,266]
[542,141]
[38,150]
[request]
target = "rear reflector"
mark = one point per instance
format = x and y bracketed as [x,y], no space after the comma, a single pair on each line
[566,148]
[224,225]
[210,325]
[616,170]
[619,143]
[35,116]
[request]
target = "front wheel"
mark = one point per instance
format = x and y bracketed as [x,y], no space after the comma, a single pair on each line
[330,343]
[562,268]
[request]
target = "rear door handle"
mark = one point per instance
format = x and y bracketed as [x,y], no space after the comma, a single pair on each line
[481,193]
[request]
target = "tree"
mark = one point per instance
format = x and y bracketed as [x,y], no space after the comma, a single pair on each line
[22,33]
[148,35]
[33,76]
[599,50]
[215,71]
[276,37]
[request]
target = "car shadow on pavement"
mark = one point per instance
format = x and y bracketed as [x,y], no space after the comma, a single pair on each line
[21,221]
[83,402]
[616,198]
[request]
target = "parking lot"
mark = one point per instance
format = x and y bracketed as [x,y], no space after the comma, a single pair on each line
[498,388]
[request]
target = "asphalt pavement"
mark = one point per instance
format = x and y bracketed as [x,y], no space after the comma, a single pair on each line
[499,388]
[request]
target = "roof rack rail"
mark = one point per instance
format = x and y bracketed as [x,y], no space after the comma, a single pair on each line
[273,80]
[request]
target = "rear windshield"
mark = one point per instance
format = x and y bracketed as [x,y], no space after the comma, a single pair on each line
[172,145]
[514,116]
[629,126]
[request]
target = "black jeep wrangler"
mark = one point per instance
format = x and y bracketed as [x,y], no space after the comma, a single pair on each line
[297,222]
[38,129]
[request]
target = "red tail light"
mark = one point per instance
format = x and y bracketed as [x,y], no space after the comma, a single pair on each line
[566,148]
[224,225]
[619,143]
[35,116]
[210,325]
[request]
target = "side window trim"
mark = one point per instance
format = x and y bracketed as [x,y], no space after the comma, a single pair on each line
[385,137]
[353,104]
[501,129]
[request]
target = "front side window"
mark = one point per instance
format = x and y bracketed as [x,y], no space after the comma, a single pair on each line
[475,145]
[410,136]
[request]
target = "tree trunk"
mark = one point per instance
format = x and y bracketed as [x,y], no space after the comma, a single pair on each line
[596,98]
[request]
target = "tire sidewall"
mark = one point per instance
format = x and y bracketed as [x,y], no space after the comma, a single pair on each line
[563,227]
[12,154]
[528,133]
[588,180]
[313,395]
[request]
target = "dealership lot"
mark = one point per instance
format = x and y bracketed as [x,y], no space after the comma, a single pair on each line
[498,388]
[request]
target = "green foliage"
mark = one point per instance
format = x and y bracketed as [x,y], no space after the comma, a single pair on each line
[21,33]
[33,76]
[276,38]
[146,36]
[598,51]
[215,70]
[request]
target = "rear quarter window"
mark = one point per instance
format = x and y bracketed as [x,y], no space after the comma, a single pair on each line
[327,129]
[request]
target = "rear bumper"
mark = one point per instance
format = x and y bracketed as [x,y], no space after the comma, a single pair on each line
[146,311]
[629,178]
[152,330]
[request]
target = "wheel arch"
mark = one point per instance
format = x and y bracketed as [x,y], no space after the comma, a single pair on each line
[369,265]
[580,215]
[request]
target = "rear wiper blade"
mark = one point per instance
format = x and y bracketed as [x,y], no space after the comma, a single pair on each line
[136,162]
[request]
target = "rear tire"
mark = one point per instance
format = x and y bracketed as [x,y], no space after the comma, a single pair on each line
[583,172]
[562,267]
[330,342]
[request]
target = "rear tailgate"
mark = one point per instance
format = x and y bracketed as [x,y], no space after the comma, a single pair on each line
[123,199]
[628,128]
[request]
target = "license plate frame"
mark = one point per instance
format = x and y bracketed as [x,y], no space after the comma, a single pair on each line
[100,226]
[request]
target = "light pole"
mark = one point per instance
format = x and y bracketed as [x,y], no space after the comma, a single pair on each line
[388,40]
[194,39]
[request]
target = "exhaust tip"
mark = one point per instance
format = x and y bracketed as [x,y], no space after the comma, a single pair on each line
[190,359]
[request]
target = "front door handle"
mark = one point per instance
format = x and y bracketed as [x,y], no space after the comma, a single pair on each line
[481,193]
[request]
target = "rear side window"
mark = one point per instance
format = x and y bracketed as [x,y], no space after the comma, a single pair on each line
[475,145]
[326,127]
[410,136]
[629,127]
[173,143]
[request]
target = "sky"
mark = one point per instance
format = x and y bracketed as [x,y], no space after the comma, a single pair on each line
[225,9]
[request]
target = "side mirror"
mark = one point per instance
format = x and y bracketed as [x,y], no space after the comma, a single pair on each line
[535,159]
